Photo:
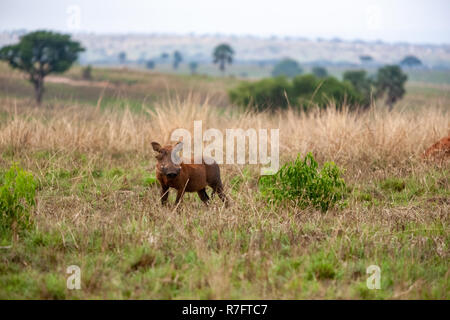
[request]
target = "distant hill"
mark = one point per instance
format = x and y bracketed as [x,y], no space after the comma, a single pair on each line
[104,49]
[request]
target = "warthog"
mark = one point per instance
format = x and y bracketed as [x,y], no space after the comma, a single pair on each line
[186,177]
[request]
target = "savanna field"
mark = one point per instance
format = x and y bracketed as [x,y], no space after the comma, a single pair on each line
[97,201]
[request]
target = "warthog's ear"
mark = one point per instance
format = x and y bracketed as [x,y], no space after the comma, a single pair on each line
[156,146]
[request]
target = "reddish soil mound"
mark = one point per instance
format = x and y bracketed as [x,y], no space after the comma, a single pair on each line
[440,149]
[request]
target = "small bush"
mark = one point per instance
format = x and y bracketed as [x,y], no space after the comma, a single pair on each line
[17,191]
[302,183]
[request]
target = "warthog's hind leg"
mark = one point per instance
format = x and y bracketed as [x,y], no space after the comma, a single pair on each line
[218,188]
[203,195]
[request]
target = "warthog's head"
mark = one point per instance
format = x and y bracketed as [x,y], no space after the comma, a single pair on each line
[168,159]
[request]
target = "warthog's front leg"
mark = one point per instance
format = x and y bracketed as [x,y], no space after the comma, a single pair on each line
[179,195]
[164,194]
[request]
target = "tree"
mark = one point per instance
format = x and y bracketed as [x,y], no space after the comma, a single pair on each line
[410,61]
[177,58]
[193,67]
[40,53]
[360,81]
[390,80]
[87,72]
[122,57]
[150,64]
[320,72]
[287,67]
[365,59]
[223,54]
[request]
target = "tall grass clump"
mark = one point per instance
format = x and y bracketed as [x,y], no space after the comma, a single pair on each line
[17,191]
[303,184]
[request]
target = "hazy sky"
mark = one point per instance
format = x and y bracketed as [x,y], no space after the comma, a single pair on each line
[389,20]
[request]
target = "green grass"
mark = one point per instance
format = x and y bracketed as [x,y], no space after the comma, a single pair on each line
[132,88]
[139,250]
[431,187]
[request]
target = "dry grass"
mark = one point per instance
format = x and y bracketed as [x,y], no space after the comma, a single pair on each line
[95,210]
[342,136]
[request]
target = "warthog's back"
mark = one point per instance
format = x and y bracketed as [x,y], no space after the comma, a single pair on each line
[209,165]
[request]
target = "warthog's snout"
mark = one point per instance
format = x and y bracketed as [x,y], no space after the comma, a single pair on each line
[171,171]
[172,175]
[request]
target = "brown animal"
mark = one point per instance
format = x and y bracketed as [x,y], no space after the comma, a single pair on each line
[440,149]
[186,177]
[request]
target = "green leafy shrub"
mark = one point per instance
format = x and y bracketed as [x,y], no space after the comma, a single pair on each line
[311,91]
[360,81]
[303,91]
[17,191]
[267,93]
[302,183]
